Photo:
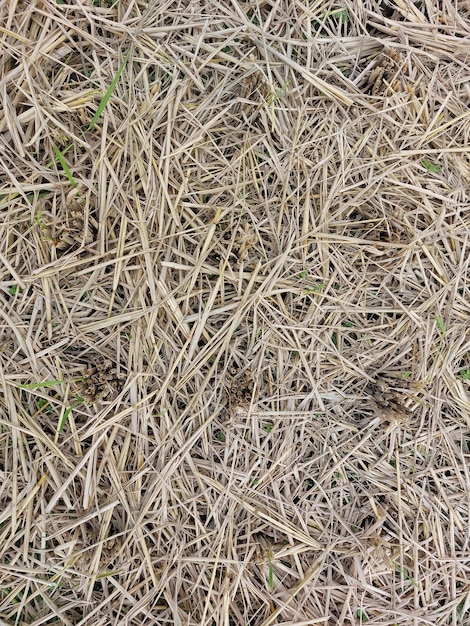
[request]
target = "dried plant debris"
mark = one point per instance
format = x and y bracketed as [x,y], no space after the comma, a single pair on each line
[99,381]
[77,229]
[244,241]
[255,91]
[232,194]
[390,398]
[71,228]
[84,553]
[386,72]
[378,226]
[239,242]
[240,388]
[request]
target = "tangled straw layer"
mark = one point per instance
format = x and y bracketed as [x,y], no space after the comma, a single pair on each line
[234,319]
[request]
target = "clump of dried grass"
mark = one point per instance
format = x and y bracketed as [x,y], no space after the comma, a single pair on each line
[266,235]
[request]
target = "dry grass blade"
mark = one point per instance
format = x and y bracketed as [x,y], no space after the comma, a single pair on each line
[234,313]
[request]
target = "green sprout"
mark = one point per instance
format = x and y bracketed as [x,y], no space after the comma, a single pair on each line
[316,289]
[42,402]
[431,167]
[405,574]
[270,573]
[65,416]
[275,96]
[65,167]
[108,94]
[440,325]
[46,383]
[465,374]
[341,15]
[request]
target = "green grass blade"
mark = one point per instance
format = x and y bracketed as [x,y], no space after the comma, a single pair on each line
[64,165]
[51,163]
[465,374]
[270,576]
[431,167]
[108,94]
[64,419]
[315,289]
[47,383]
[67,412]
[441,325]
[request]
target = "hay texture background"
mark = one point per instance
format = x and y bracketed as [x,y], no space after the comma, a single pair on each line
[234,313]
